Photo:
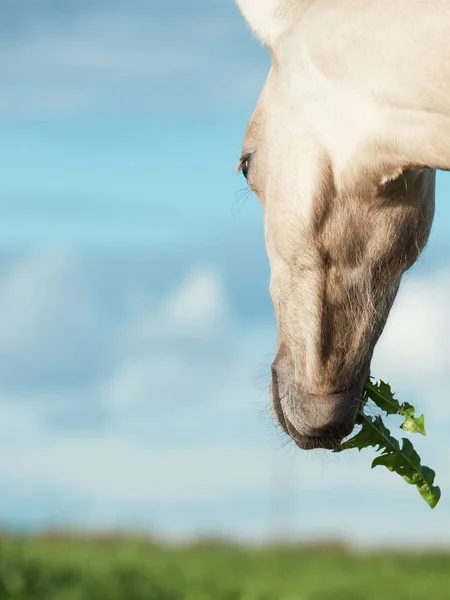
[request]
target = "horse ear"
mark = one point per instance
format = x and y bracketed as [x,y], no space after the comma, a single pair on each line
[267,18]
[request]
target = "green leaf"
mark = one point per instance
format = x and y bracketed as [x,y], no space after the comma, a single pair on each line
[398,458]
[384,398]
[414,425]
[406,462]
[372,433]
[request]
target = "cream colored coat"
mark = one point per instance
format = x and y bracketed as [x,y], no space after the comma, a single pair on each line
[341,151]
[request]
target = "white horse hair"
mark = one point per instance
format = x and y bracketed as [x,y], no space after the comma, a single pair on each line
[341,150]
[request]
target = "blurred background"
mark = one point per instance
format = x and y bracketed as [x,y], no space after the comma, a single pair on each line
[136,327]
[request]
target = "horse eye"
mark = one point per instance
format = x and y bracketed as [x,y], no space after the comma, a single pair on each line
[244,165]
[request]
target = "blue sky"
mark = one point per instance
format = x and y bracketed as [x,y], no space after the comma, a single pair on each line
[136,329]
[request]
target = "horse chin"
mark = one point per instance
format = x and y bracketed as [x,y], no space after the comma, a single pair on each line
[327,441]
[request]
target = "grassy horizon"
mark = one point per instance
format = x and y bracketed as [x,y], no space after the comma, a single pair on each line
[65,566]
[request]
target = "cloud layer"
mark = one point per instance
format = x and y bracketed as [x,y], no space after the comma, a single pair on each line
[151,412]
[112,59]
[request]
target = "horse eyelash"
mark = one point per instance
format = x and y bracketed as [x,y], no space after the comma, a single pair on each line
[242,160]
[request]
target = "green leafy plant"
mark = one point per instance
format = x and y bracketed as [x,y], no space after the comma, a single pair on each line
[398,457]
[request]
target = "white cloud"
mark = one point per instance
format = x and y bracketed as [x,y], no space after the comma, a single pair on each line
[120,470]
[187,354]
[188,443]
[169,489]
[99,43]
[416,343]
[17,422]
[199,303]
[31,297]
[114,60]
[49,326]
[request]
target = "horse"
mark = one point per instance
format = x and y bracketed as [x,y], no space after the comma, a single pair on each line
[342,151]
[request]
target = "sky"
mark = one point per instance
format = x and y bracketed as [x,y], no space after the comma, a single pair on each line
[136,327]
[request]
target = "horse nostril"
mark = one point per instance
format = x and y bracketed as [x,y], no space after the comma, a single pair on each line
[274,373]
[275,384]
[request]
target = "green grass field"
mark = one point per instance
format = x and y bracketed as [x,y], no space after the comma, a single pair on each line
[64,568]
